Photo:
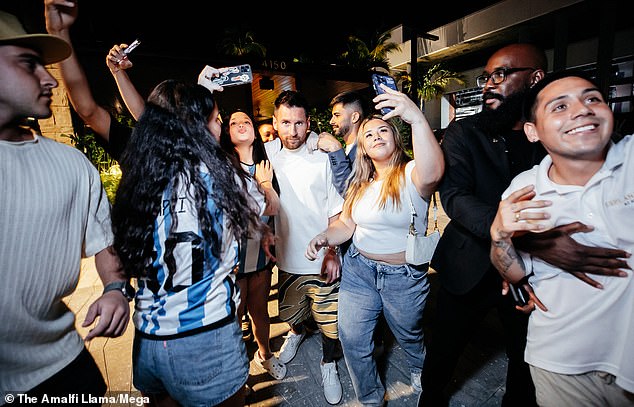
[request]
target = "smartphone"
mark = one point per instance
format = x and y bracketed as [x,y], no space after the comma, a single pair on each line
[380,78]
[519,294]
[235,75]
[131,47]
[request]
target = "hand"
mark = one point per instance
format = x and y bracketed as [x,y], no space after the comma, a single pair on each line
[116,60]
[206,75]
[331,266]
[268,241]
[401,105]
[558,248]
[113,311]
[315,245]
[264,173]
[533,301]
[510,219]
[59,15]
[312,140]
[328,143]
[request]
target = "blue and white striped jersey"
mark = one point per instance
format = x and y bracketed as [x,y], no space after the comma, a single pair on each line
[192,288]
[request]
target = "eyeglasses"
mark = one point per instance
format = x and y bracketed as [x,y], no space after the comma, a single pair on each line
[498,76]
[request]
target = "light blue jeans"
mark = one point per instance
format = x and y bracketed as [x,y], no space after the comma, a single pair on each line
[369,288]
[202,369]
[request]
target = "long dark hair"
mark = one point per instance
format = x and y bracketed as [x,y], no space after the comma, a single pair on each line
[169,145]
[259,151]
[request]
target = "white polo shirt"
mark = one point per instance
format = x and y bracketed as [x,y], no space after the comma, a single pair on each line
[585,328]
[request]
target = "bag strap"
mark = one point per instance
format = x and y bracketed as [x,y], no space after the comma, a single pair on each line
[412,226]
[435,209]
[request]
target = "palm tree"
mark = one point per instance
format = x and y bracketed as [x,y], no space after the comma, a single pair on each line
[239,44]
[361,55]
[432,83]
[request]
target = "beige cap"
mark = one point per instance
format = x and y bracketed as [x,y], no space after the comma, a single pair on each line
[51,48]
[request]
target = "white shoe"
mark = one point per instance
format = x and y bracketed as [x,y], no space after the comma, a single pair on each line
[416,386]
[330,382]
[272,365]
[290,346]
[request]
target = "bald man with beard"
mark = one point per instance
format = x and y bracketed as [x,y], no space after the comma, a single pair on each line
[483,153]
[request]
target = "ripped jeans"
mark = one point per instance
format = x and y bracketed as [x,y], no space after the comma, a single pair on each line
[369,288]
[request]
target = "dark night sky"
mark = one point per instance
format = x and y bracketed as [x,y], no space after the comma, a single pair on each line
[287,30]
[180,37]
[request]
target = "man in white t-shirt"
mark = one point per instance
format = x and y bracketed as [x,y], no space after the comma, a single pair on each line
[308,203]
[579,336]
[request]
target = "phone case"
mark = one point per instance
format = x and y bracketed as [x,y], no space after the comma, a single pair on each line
[131,47]
[387,80]
[235,75]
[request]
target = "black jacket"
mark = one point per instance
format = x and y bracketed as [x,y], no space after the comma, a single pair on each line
[477,170]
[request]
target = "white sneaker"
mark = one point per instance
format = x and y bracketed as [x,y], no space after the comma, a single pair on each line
[416,386]
[330,382]
[290,346]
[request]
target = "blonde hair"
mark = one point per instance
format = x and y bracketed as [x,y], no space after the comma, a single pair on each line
[364,170]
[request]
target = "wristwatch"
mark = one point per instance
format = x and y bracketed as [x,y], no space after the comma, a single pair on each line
[124,287]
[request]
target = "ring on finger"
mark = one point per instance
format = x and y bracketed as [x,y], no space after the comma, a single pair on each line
[517,216]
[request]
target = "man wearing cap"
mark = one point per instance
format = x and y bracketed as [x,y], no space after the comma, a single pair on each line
[53,212]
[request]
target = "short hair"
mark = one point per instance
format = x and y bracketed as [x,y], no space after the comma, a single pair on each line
[291,98]
[352,97]
[530,99]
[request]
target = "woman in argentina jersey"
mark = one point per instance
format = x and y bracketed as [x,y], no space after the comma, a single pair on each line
[180,210]
[241,141]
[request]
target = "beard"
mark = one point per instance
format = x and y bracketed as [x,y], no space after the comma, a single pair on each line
[505,116]
[342,131]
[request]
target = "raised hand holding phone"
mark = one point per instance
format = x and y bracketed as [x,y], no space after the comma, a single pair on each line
[131,47]
[127,50]
[216,79]
[117,58]
[205,79]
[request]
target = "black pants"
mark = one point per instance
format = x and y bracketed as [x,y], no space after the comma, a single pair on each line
[457,317]
[81,376]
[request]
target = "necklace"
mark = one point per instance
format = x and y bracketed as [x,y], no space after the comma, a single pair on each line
[248,165]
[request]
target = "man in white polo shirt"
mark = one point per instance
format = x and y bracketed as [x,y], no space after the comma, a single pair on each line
[579,336]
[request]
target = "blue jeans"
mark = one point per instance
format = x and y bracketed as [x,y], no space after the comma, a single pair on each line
[369,288]
[202,369]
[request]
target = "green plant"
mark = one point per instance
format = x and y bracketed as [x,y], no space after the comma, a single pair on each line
[88,145]
[431,82]
[239,43]
[362,55]
[110,180]
[107,166]
[320,120]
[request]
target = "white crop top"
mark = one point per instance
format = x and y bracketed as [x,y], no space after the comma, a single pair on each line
[384,231]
